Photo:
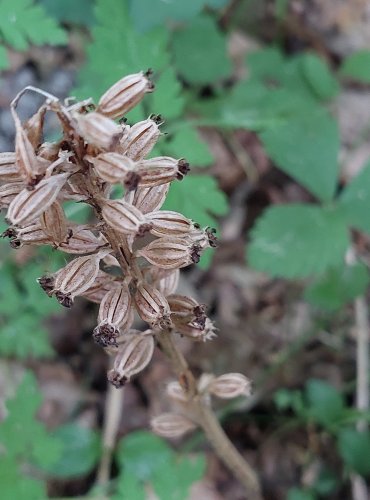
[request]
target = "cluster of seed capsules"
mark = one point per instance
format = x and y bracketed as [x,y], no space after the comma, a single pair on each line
[128,258]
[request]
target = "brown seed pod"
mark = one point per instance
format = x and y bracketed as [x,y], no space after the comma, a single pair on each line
[161,170]
[10,191]
[176,392]
[141,139]
[172,425]
[169,223]
[115,168]
[30,168]
[230,385]
[132,357]
[32,234]
[98,130]
[54,223]
[34,127]
[125,218]
[170,253]
[185,310]
[30,204]
[9,171]
[147,199]
[81,241]
[152,306]
[124,95]
[103,283]
[203,333]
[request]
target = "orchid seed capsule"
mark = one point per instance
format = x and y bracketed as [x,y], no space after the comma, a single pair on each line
[147,199]
[113,168]
[161,170]
[125,218]
[171,425]
[9,171]
[170,253]
[98,130]
[230,385]
[168,223]
[141,139]
[152,306]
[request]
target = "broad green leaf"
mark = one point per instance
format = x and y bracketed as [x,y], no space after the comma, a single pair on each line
[300,494]
[118,49]
[80,451]
[70,11]
[355,200]
[166,100]
[338,286]
[199,52]
[23,22]
[306,147]
[129,488]
[266,64]
[354,448]
[357,66]
[298,240]
[319,77]
[187,142]
[15,484]
[142,453]
[325,403]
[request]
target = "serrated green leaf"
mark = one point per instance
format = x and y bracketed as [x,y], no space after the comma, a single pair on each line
[355,200]
[354,448]
[23,22]
[357,66]
[325,403]
[167,100]
[142,453]
[187,142]
[306,147]
[319,77]
[15,484]
[298,240]
[118,50]
[70,11]
[80,451]
[199,52]
[338,286]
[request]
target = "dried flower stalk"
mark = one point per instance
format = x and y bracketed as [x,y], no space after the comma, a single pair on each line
[94,154]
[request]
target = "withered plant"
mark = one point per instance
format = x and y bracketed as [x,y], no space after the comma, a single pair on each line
[128,260]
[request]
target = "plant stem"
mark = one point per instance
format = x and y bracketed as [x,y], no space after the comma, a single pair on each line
[112,415]
[359,488]
[223,447]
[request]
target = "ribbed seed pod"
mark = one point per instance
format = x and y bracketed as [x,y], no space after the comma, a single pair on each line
[187,310]
[152,306]
[207,332]
[9,171]
[115,168]
[98,130]
[161,170]
[170,253]
[29,205]
[76,277]
[125,218]
[103,283]
[54,223]
[171,425]
[169,223]
[80,241]
[49,151]
[176,392]
[168,283]
[114,310]
[147,199]
[30,235]
[132,357]
[34,127]
[230,385]
[10,191]
[124,95]
[27,162]
[141,139]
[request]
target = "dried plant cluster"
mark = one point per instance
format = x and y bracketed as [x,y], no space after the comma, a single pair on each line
[128,259]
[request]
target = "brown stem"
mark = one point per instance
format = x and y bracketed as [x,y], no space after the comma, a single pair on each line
[223,447]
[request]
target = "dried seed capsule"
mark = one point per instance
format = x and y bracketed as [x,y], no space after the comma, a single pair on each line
[103,283]
[168,223]
[34,127]
[141,139]
[98,130]
[187,310]
[54,223]
[170,253]
[47,284]
[152,306]
[132,357]
[76,277]
[208,332]
[29,205]
[9,171]
[169,282]
[115,308]
[161,170]
[125,218]
[171,425]
[176,392]
[147,199]
[115,168]
[32,234]
[124,95]
[49,151]
[10,191]
[230,385]
[81,241]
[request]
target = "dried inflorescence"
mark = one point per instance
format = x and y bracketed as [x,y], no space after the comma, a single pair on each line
[94,155]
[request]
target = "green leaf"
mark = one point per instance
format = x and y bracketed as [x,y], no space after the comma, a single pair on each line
[23,22]
[338,286]
[300,494]
[355,200]
[319,77]
[199,52]
[306,147]
[70,11]
[80,452]
[117,50]
[167,100]
[15,484]
[354,448]
[266,64]
[325,403]
[23,437]
[142,453]
[298,240]
[175,480]
[357,66]
[187,142]
[129,488]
